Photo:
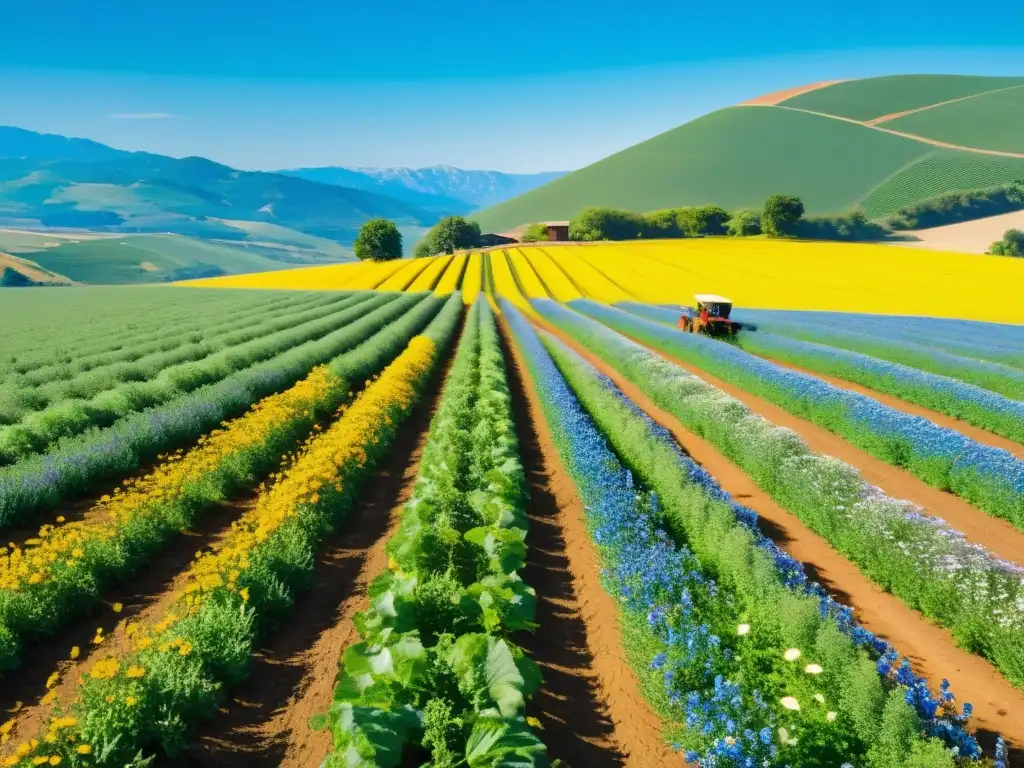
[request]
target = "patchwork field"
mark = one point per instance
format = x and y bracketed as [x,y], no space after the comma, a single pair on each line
[495,509]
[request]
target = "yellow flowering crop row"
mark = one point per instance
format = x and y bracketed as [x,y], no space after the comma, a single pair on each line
[120,697]
[64,560]
[452,276]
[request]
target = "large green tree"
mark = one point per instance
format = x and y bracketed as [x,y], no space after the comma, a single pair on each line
[782,214]
[450,234]
[378,240]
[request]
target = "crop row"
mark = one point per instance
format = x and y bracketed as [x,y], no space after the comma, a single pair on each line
[1002,379]
[134,346]
[81,324]
[23,393]
[172,675]
[39,483]
[920,559]
[972,404]
[747,662]
[994,342]
[435,671]
[990,478]
[68,567]
[101,405]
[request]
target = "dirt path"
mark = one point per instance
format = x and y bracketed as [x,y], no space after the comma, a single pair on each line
[932,650]
[144,598]
[590,705]
[913,136]
[993,533]
[977,434]
[904,113]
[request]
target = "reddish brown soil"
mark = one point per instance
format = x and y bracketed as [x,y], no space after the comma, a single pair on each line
[266,722]
[931,650]
[993,533]
[590,705]
[977,434]
[144,599]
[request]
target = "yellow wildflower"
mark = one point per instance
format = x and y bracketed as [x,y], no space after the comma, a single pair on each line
[52,680]
[83,749]
[135,671]
[75,652]
[131,701]
[117,607]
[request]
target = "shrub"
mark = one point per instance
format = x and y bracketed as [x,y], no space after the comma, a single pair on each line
[702,220]
[448,235]
[535,233]
[852,226]
[606,224]
[744,223]
[663,224]
[960,206]
[782,214]
[1012,244]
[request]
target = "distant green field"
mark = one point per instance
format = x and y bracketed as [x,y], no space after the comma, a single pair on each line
[145,259]
[939,172]
[991,121]
[878,96]
[735,158]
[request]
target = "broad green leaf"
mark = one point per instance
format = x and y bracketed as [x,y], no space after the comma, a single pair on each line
[498,743]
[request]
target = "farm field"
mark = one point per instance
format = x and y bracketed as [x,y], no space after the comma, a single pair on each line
[755,273]
[495,509]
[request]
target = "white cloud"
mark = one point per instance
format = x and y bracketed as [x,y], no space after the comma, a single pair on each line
[142,116]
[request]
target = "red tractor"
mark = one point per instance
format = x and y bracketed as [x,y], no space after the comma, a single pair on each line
[710,317]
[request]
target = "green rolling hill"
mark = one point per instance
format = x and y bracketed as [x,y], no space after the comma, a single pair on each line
[819,145]
[878,96]
[135,259]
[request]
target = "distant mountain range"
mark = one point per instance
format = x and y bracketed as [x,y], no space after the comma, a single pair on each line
[51,181]
[435,188]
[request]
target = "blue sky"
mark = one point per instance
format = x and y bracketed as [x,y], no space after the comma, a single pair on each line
[522,86]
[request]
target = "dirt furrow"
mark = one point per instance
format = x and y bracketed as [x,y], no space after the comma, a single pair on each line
[143,598]
[932,650]
[995,534]
[590,705]
[266,720]
[978,434]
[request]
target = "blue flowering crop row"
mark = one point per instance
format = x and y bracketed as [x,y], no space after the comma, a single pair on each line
[749,662]
[990,478]
[1003,379]
[983,341]
[974,405]
[920,559]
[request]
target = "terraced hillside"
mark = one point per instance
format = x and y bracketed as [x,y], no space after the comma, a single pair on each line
[877,144]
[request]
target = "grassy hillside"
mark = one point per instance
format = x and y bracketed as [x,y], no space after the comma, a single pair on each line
[989,121]
[878,96]
[127,259]
[835,162]
[735,158]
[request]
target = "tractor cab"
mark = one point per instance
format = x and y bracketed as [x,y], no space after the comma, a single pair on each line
[710,317]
